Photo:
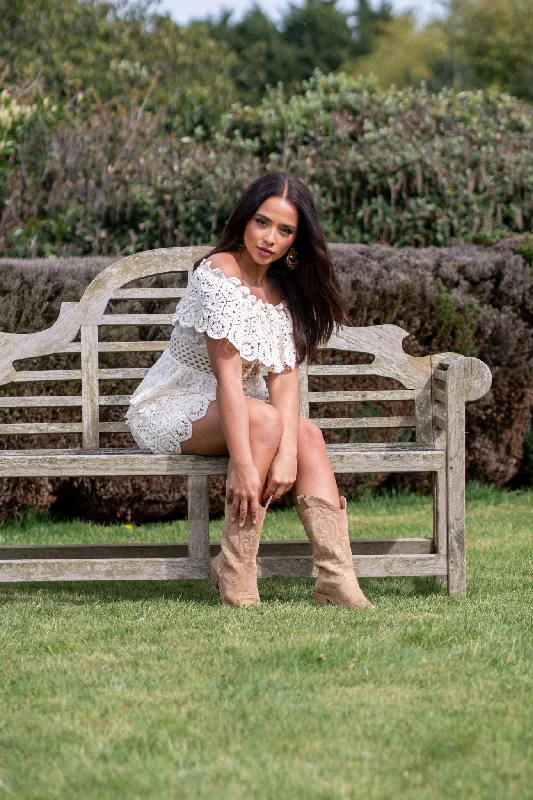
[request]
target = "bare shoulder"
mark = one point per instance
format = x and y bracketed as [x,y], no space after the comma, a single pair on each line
[227,263]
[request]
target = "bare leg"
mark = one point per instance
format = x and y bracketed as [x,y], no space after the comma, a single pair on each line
[265,433]
[326,528]
[314,475]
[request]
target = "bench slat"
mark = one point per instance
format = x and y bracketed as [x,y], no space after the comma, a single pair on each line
[124,372]
[341,369]
[114,399]
[147,294]
[135,319]
[175,568]
[364,422]
[47,375]
[40,401]
[347,457]
[347,396]
[55,401]
[41,427]
[132,347]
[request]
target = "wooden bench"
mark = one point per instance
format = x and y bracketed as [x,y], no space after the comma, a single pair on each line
[437,387]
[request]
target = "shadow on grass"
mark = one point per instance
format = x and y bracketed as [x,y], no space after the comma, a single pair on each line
[283,590]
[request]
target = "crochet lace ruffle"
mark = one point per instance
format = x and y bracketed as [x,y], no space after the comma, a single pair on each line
[224,308]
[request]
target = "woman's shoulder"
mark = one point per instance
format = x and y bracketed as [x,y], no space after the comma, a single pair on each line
[226,263]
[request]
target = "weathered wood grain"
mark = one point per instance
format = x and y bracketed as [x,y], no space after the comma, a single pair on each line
[349,457]
[89,385]
[455,463]
[303,389]
[198,516]
[365,422]
[156,569]
[346,396]
[147,294]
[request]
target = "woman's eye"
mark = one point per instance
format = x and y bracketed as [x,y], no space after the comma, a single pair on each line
[261,221]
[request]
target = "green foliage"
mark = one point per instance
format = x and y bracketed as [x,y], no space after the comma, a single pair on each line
[486,238]
[456,327]
[403,55]
[401,166]
[318,35]
[314,35]
[263,56]
[492,44]
[90,52]
[525,249]
[369,24]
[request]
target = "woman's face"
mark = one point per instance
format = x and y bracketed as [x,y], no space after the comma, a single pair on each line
[271,231]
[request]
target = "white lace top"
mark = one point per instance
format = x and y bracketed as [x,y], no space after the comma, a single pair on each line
[223,308]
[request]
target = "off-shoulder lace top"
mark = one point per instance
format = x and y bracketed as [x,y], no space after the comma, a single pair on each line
[223,308]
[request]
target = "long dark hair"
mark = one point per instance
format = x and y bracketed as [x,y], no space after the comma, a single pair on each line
[311,291]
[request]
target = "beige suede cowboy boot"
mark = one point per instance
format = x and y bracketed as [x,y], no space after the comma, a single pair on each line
[327,529]
[234,571]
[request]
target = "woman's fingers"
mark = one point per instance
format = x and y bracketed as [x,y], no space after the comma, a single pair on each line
[244,511]
[254,510]
[276,493]
[240,505]
[239,510]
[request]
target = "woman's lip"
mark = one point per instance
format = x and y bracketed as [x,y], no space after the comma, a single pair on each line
[264,250]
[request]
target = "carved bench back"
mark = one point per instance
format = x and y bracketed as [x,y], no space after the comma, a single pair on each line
[81,329]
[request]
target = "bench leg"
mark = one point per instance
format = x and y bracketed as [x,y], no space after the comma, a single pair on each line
[198,516]
[440,524]
[456,525]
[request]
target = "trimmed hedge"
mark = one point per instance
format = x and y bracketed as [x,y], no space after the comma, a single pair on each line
[467,298]
[404,167]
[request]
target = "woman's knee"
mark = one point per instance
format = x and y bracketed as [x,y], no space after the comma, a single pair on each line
[265,420]
[310,442]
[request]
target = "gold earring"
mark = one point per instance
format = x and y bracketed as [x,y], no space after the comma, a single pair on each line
[241,246]
[292,258]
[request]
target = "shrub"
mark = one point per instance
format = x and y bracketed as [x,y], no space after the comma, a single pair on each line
[403,167]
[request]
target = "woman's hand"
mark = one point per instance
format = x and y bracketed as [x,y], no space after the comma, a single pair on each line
[243,485]
[281,475]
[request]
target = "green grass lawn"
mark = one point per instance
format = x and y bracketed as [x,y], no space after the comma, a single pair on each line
[157,690]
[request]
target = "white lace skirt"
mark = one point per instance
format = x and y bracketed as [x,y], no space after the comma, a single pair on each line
[166,421]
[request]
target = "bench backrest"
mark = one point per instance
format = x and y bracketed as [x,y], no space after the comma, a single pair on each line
[81,329]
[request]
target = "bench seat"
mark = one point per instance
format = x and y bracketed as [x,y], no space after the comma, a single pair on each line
[350,457]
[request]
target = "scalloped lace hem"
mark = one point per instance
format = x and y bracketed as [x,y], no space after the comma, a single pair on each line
[272,365]
[167,422]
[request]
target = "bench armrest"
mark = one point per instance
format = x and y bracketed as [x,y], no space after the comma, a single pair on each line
[471,377]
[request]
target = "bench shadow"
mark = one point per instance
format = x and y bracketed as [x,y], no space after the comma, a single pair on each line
[278,590]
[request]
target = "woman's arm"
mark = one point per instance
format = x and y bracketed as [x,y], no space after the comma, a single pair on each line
[243,482]
[284,395]
[233,411]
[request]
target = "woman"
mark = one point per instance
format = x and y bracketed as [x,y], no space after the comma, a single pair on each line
[265,296]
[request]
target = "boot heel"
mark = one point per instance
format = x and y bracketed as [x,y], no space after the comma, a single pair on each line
[322,599]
